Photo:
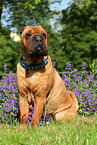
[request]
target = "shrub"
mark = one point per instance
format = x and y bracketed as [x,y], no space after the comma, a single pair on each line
[9,51]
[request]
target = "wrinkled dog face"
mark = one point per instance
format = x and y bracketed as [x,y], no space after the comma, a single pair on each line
[34,41]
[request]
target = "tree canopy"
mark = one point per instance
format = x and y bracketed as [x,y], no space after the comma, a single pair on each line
[9,51]
[76,42]
[79,32]
[24,12]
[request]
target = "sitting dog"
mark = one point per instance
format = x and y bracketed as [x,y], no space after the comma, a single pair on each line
[38,82]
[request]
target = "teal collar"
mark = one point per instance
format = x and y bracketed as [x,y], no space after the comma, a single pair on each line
[33,67]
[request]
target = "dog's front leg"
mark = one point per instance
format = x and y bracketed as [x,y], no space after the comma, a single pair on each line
[38,110]
[24,109]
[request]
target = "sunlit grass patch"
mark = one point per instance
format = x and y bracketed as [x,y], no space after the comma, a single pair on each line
[81,131]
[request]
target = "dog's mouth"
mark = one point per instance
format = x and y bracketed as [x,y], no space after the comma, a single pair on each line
[37,52]
[37,47]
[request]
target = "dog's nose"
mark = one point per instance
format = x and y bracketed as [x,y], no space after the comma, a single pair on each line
[38,39]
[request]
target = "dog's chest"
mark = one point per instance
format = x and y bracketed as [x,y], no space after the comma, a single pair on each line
[34,86]
[33,81]
[37,82]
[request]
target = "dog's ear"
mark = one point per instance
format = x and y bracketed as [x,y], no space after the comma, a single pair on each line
[22,30]
[43,28]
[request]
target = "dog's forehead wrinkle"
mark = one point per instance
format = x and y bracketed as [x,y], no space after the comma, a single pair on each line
[29,30]
[39,29]
[34,29]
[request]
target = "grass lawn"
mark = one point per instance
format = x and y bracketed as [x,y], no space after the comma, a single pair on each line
[81,131]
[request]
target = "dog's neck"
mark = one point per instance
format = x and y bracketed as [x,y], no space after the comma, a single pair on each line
[33,63]
[30,60]
[35,66]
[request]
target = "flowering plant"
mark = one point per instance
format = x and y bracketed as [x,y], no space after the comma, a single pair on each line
[83,84]
[9,108]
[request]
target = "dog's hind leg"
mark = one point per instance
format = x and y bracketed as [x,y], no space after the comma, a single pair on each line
[70,112]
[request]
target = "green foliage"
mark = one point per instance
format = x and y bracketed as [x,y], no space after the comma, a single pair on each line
[22,13]
[35,12]
[9,51]
[79,33]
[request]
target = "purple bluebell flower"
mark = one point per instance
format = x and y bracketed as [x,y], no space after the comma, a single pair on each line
[84,64]
[68,65]
[5,66]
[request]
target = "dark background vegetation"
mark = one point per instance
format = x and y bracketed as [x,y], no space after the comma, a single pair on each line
[75,42]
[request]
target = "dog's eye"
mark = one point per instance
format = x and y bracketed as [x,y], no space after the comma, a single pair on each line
[27,36]
[44,35]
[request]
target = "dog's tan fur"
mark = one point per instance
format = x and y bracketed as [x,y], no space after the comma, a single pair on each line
[43,87]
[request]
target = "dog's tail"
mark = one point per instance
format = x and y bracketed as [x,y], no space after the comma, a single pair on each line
[75,102]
